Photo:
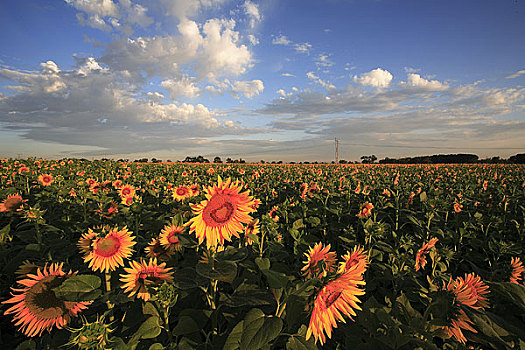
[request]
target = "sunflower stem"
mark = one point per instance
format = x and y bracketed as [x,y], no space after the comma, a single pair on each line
[108,289]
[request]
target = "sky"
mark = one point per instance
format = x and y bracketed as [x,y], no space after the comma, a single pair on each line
[261,80]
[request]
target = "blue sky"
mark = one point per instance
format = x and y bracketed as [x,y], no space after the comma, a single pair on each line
[273,80]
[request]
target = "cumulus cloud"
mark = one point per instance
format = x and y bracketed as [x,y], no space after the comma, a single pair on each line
[416,81]
[183,9]
[181,87]
[101,8]
[281,40]
[378,78]
[252,11]
[248,88]
[287,75]
[323,61]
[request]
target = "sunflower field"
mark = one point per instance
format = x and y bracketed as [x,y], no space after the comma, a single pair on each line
[114,255]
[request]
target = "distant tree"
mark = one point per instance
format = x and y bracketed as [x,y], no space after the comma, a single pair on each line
[342,161]
[518,159]
[368,159]
[262,161]
[217,160]
[242,161]
[229,160]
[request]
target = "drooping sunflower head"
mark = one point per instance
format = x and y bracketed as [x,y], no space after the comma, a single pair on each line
[320,261]
[141,276]
[169,237]
[471,291]
[222,214]
[421,260]
[108,248]
[251,229]
[338,298]
[517,270]
[356,259]
[12,204]
[156,250]
[37,308]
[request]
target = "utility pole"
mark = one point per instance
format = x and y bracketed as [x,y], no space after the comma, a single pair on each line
[336,151]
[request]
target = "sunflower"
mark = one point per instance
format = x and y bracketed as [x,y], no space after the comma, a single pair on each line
[517,270]
[106,250]
[157,250]
[222,213]
[252,229]
[168,237]
[337,298]
[181,193]
[13,204]
[320,261]
[365,211]
[463,293]
[141,275]
[127,191]
[421,260]
[37,308]
[355,258]
[45,179]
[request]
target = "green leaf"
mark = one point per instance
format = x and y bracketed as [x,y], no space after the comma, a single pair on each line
[26,345]
[224,271]
[514,293]
[314,221]
[298,224]
[298,341]
[234,338]
[186,325]
[263,263]
[148,330]
[259,330]
[79,288]
[275,279]
[156,346]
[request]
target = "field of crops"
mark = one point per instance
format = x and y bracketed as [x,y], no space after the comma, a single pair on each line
[109,255]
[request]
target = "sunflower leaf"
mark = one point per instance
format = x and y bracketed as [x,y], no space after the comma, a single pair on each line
[259,330]
[79,288]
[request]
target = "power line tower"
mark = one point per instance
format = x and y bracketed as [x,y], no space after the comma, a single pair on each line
[336,151]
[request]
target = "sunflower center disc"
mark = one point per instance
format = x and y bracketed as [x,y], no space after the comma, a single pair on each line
[172,238]
[331,298]
[223,213]
[108,246]
[13,204]
[41,300]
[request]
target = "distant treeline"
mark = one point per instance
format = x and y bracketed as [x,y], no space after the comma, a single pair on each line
[453,158]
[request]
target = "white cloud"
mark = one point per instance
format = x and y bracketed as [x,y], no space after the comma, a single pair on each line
[416,81]
[377,77]
[303,48]
[248,88]
[136,14]
[184,9]
[287,75]
[181,87]
[312,76]
[515,75]
[89,65]
[252,11]
[94,21]
[253,40]
[323,61]
[411,70]
[281,40]
[101,8]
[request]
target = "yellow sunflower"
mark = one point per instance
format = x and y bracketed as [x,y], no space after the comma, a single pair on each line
[222,213]
[36,307]
[106,250]
[336,299]
[181,193]
[168,237]
[320,261]
[141,275]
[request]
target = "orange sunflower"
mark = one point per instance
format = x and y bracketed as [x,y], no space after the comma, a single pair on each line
[222,213]
[421,260]
[365,211]
[157,250]
[168,237]
[13,204]
[252,229]
[517,270]
[320,261]
[355,258]
[127,191]
[106,250]
[337,298]
[37,308]
[142,275]
[181,193]
[465,292]
[45,179]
